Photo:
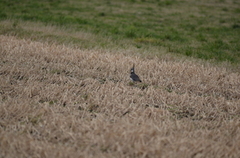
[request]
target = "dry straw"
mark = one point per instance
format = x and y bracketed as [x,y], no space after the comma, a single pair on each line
[57,101]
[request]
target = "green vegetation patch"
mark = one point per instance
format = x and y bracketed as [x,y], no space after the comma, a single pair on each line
[205,29]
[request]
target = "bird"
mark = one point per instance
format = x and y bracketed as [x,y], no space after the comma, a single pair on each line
[133,76]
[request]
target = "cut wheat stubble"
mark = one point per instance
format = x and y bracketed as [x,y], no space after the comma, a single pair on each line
[56,100]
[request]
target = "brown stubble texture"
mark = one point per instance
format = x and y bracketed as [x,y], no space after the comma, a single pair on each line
[58,101]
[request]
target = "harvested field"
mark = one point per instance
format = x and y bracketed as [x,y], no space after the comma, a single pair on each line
[58,101]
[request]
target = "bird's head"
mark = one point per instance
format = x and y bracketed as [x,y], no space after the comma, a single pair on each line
[132,69]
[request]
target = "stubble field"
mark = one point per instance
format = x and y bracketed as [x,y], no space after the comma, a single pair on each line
[59,101]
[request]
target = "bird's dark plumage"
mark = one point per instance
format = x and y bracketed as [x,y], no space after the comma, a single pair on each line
[133,76]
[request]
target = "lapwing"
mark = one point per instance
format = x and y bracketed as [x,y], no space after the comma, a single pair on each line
[133,76]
